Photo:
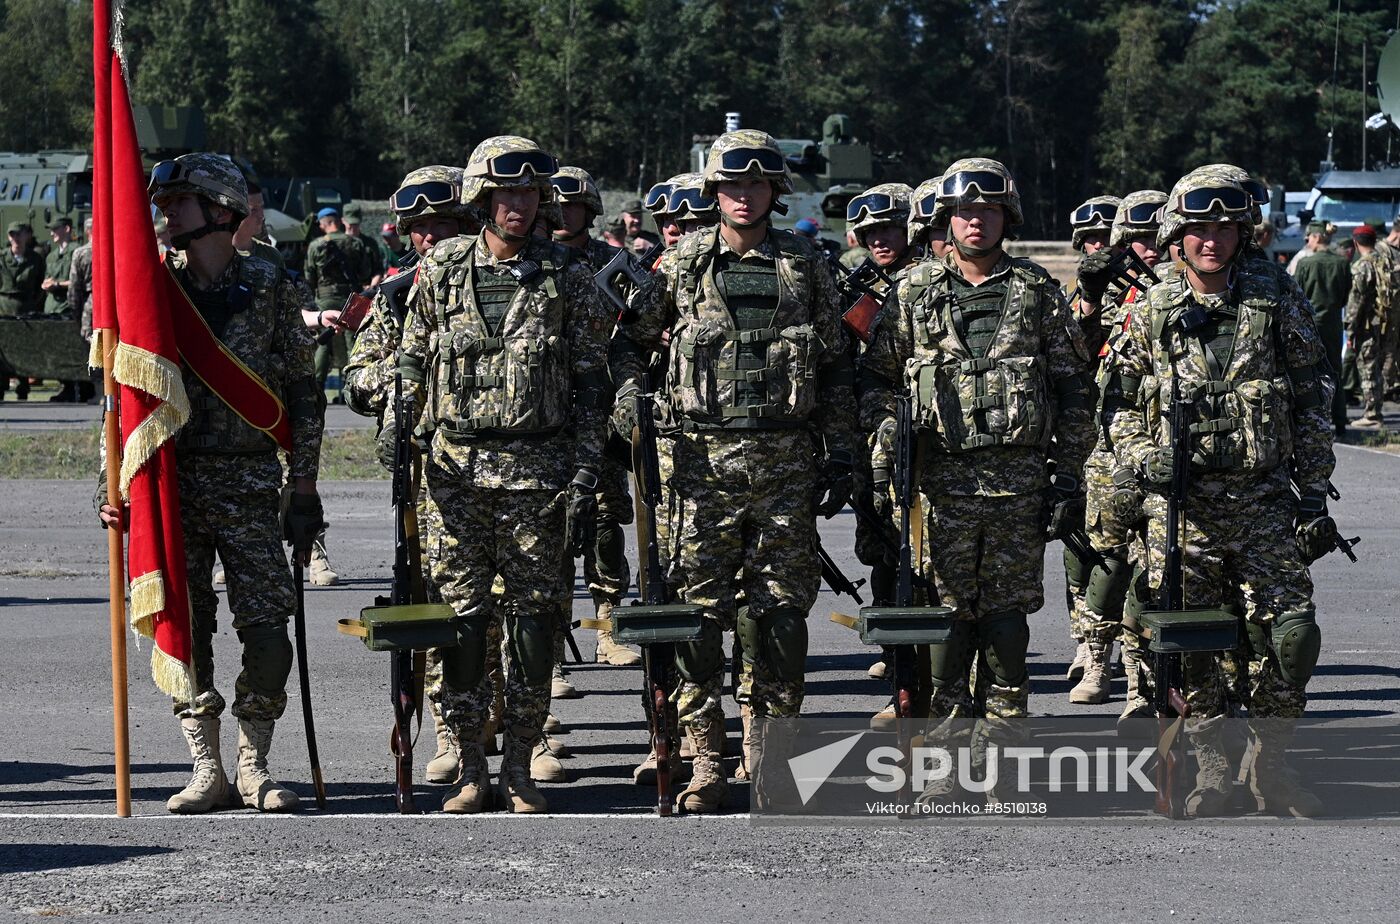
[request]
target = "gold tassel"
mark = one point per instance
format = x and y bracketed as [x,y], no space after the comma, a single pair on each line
[172,676]
[95,351]
[147,599]
[148,437]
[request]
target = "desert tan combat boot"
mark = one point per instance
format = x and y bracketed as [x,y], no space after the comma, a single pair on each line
[1275,785]
[321,573]
[609,651]
[1137,705]
[208,789]
[443,767]
[468,794]
[741,773]
[707,789]
[1214,782]
[644,774]
[257,787]
[545,766]
[1094,685]
[885,719]
[514,786]
[559,685]
[1081,658]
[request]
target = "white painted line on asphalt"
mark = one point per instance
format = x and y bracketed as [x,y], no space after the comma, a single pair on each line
[381,816]
[1370,449]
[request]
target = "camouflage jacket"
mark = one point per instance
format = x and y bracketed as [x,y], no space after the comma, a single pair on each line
[80,286]
[1260,414]
[21,282]
[1038,393]
[369,373]
[269,337]
[1368,312]
[337,265]
[807,380]
[525,407]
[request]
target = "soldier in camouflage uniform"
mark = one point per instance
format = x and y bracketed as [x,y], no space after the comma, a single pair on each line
[80,282]
[928,225]
[230,478]
[1372,323]
[427,209]
[1113,505]
[1232,332]
[506,339]
[985,346]
[56,266]
[605,567]
[757,364]
[336,265]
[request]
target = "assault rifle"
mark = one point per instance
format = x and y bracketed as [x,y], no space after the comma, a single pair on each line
[625,265]
[860,299]
[405,589]
[1126,259]
[1167,693]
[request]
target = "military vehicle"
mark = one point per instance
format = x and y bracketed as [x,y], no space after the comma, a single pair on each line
[826,174]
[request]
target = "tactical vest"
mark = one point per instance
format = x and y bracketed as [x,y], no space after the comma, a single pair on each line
[979,376]
[744,353]
[511,376]
[1239,424]
[335,268]
[244,316]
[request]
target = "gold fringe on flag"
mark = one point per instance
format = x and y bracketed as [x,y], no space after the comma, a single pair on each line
[160,378]
[172,676]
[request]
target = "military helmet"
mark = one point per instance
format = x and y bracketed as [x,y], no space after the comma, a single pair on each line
[573,184]
[887,203]
[1139,215]
[431,190]
[505,162]
[211,176]
[1092,215]
[688,201]
[746,153]
[658,198]
[1205,194]
[1258,192]
[925,211]
[981,179]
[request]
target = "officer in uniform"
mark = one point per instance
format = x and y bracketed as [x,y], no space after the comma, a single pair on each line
[984,344]
[1232,333]
[1373,323]
[56,267]
[80,282]
[1325,278]
[230,477]
[336,265]
[21,275]
[1113,516]
[507,341]
[757,364]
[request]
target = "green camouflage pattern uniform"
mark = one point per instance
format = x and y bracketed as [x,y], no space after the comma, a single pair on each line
[80,287]
[57,266]
[1373,322]
[514,408]
[230,477]
[757,364]
[336,265]
[1259,361]
[984,471]
[21,278]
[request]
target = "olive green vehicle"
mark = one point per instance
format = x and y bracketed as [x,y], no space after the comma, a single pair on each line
[826,174]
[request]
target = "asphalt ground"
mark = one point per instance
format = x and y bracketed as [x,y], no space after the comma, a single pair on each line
[601,854]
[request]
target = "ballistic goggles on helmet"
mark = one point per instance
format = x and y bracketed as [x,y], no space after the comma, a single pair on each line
[926,207]
[1204,201]
[875,205]
[1144,213]
[433,192]
[514,164]
[172,172]
[568,185]
[739,160]
[689,197]
[1090,212]
[1256,191]
[656,197]
[986,182]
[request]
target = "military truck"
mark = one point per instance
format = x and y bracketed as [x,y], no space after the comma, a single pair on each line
[826,174]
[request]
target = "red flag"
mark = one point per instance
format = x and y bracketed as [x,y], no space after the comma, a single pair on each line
[132,305]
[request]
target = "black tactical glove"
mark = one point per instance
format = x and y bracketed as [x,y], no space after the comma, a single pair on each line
[302,519]
[581,515]
[1064,503]
[1095,275]
[834,486]
[1159,467]
[624,411]
[1314,529]
[386,444]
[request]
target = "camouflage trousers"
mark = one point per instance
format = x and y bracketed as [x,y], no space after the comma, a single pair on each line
[605,567]
[745,521]
[1371,358]
[229,507]
[1110,534]
[1238,547]
[669,523]
[986,559]
[486,534]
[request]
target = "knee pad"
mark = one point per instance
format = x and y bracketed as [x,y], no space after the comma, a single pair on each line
[884,581]
[531,643]
[1108,587]
[1137,600]
[784,639]
[748,637]
[949,661]
[610,548]
[1077,571]
[701,661]
[267,658]
[464,665]
[1297,642]
[1004,638]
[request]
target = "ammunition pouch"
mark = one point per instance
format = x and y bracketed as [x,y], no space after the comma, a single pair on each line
[1004,637]
[981,403]
[1108,587]
[267,658]
[700,661]
[1297,641]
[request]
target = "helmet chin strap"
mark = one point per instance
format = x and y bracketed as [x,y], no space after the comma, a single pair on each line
[973,253]
[183,241]
[564,237]
[505,235]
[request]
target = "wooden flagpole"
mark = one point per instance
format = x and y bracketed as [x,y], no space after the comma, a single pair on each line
[116,580]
